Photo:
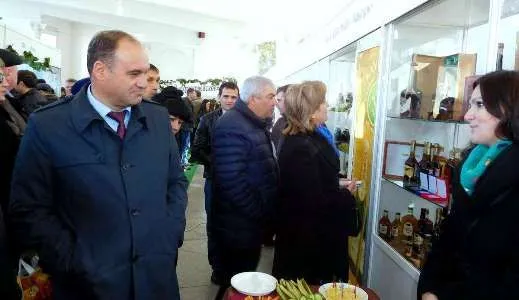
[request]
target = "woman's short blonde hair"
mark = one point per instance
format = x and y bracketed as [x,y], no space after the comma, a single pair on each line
[301,101]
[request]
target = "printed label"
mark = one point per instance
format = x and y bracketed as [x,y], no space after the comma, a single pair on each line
[408,229]
[382,229]
[408,172]
[394,231]
[418,240]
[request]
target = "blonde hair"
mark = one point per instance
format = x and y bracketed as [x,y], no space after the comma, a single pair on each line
[301,101]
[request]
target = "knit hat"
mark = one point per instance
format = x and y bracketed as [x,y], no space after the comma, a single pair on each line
[9,59]
[171,98]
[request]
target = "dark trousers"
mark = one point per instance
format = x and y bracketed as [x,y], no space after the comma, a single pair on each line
[210,240]
[232,261]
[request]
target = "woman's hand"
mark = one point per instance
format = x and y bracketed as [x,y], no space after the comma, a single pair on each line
[349,184]
[429,296]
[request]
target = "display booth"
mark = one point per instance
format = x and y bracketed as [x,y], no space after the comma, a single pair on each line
[402,91]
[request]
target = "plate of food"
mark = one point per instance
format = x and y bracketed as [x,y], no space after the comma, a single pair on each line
[254,283]
[342,291]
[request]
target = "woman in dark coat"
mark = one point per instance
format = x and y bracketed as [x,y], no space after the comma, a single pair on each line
[312,235]
[476,256]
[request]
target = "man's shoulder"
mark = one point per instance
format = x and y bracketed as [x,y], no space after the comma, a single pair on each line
[58,106]
[153,107]
[215,114]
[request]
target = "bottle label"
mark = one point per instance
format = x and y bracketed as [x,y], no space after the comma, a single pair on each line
[394,231]
[418,240]
[408,229]
[408,172]
[382,229]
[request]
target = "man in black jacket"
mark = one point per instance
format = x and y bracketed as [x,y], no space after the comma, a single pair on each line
[10,134]
[245,179]
[30,98]
[228,93]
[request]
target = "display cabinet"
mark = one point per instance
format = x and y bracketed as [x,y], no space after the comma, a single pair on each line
[431,60]
[508,35]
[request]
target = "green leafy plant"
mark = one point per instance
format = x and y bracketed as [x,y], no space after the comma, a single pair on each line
[34,62]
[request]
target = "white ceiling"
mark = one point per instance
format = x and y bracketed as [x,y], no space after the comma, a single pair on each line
[244,19]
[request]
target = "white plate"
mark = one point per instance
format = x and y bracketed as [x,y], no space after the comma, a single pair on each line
[361,294]
[254,283]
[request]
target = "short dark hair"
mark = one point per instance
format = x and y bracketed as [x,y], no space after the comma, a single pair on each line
[228,85]
[282,89]
[154,68]
[71,80]
[190,90]
[500,94]
[28,78]
[103,46]
[40,80]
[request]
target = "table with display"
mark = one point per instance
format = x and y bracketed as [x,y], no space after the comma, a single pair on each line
[232,294]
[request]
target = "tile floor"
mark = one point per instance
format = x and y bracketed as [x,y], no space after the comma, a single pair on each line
[193,268]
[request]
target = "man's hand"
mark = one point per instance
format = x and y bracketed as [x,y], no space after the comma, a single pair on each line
[429,296]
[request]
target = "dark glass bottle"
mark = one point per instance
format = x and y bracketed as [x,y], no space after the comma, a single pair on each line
[425,163]
[384,226]
[410,167]
[436,166]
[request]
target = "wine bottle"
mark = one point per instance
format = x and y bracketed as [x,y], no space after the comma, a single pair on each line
[410,167]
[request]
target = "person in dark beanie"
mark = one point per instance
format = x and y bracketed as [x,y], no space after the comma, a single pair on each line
[171,98]
[10,137]
[30,99]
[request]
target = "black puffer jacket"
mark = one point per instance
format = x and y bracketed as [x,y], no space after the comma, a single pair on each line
[245,178]
[201,148]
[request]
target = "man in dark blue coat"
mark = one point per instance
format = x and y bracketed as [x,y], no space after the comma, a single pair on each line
[97,189]
[245,179]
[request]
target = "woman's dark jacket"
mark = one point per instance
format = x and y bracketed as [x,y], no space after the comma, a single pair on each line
[476,256]
[312,233]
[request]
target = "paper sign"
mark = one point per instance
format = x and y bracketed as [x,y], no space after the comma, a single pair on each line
[424,182]
[432,184]
[442,188]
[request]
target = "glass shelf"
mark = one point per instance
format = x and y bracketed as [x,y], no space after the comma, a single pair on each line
[429,121]
[419,193]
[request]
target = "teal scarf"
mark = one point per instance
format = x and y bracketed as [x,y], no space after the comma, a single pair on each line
[477,161]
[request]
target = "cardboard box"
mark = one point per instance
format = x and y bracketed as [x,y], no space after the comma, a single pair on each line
[451,82]
[424,76]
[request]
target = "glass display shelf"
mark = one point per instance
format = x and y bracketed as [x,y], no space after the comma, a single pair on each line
[457,122]
[425,195]
[397,257]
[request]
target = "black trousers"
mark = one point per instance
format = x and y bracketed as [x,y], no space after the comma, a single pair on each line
[230,261]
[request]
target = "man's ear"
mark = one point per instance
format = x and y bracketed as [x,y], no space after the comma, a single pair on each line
[99,70]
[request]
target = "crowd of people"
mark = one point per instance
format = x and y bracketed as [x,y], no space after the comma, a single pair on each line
[93,183]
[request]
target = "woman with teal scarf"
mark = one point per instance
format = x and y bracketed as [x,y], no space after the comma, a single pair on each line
[476,256]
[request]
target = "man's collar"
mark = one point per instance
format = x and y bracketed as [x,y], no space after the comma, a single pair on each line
[83,113]
[99,106]
[246,111]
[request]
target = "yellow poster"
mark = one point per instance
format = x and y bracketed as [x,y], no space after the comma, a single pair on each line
[365,113]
